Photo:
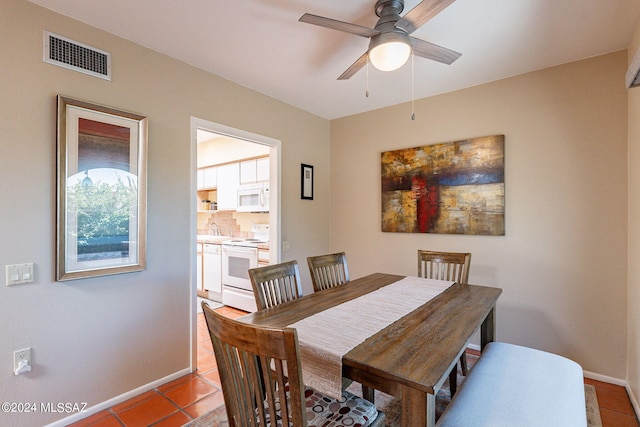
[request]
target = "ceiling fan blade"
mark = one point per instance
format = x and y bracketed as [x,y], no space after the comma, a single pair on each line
[421,14]
[433,51]
[355,67]
[334,24]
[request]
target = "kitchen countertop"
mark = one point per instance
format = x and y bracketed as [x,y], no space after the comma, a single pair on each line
[218,240]
[207,238]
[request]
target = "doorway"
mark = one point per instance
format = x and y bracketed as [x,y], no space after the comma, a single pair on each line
[223,148]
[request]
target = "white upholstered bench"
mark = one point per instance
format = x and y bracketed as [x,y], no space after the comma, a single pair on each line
[518,386]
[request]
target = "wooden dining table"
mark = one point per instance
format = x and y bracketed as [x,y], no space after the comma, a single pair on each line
[412,357]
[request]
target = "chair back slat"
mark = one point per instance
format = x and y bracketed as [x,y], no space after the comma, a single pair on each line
[275,284]
[328,271]
[257,366]
[453,266]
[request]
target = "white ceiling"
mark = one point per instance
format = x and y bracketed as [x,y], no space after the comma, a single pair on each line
[261,45]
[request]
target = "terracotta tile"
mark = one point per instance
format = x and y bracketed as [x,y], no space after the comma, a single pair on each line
[204,343]
[147,412]
[617,419]
[206,363]
[134,401]
[177,382]
[614,398]
[190,392]
[231,312]
[592,382]
[176,420]
[101,419]
[213,377]
[205,405]
[204,347]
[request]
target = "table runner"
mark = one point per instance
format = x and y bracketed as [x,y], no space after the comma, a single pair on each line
[330,334]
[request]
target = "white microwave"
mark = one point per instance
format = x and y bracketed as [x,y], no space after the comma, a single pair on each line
[253,198]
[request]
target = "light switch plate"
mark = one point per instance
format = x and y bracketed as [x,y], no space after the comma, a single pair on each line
[19,273]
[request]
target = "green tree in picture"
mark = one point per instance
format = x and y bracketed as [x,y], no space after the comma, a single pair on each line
[103,214]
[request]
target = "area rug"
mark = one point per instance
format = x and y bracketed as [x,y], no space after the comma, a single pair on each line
[391,405]
[213,304]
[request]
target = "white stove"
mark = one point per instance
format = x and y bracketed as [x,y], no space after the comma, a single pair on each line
[238,256]
[249,243]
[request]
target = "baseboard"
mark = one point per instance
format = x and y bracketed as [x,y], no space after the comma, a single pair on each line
[118,399]
[473,346]
[605,378]
[634,401]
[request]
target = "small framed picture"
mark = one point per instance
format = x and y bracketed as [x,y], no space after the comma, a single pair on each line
[306,184]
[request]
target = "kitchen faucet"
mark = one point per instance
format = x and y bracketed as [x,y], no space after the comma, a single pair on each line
[216,230]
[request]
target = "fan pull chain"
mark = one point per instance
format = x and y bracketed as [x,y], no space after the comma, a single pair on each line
[413,98]
[366,92]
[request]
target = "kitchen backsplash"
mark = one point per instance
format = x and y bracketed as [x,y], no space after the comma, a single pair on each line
[229,223]
[224,221]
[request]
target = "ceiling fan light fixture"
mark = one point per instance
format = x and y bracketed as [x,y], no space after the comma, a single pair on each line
[389,51]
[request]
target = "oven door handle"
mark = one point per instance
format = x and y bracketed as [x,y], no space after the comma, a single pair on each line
[239,249]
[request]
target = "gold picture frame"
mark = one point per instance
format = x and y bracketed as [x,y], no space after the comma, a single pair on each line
[101,190]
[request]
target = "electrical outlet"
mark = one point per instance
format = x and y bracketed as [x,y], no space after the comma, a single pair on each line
[19,356]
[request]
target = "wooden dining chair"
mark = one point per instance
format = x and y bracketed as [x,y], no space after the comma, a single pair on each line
[275,284]
[262,384]
[328,271]
[453,266]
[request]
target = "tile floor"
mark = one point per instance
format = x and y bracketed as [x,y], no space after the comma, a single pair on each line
[175,403]
[615,406]
[188,397]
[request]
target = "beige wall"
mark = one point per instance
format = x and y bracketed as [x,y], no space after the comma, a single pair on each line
[96,339]
[633,302]
[563,261]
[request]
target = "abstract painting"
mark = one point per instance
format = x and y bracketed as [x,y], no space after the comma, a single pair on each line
[447,188]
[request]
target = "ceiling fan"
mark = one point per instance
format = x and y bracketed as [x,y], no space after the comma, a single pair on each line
[391,45]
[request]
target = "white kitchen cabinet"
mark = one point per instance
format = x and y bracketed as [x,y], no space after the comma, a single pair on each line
[210,177]
[228,182]
[207,178]
[262,169]
[255,170]
[200,178]
[263,257]
[248,172]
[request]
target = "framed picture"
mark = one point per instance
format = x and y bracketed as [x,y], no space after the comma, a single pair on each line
[101,190]
[306,185]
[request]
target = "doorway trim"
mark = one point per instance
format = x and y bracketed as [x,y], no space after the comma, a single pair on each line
[274,205]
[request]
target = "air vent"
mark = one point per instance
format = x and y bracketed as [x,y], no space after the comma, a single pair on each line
[76,56]
[632,79]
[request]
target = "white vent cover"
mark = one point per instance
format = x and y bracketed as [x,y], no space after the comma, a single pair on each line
[67,53]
